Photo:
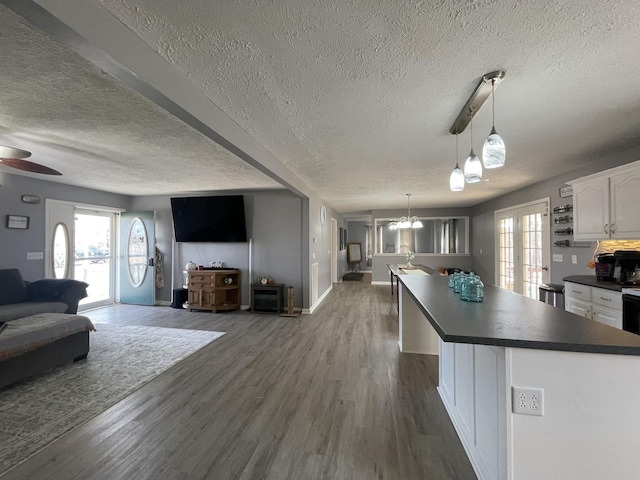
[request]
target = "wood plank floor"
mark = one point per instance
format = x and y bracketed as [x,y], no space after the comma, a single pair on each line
[322,396]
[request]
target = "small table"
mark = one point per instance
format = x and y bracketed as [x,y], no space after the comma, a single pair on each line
[267,298]
[395,270]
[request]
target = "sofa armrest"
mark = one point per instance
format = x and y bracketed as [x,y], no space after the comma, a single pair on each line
[58,290]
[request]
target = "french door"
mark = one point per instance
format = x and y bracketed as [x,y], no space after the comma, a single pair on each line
[523,247]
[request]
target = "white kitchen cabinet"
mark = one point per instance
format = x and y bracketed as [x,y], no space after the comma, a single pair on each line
[579,307]
[599,304]
[625,214]
[605,204]
[607,315]
[591,210]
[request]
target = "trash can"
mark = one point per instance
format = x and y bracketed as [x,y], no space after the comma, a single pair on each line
[553,294]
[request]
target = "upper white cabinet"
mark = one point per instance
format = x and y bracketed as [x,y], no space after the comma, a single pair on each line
[605,204]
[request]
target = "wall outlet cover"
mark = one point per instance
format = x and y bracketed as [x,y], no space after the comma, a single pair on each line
[557,257]
[527,401]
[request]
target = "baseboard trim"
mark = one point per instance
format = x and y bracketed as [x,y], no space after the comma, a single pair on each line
[318,302]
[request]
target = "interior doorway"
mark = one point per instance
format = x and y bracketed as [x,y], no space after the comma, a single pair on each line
[523,247]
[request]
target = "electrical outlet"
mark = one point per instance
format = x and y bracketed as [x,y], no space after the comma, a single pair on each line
[527,401]
[557,257]
[574,259]
[35,255]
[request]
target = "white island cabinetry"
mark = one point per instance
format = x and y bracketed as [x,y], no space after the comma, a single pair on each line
[587,426]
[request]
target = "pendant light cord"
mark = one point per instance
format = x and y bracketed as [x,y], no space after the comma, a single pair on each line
[493,103]
[457,150]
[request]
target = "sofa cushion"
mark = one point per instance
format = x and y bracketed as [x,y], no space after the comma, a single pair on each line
[13,288]
[51,289]
[14,311]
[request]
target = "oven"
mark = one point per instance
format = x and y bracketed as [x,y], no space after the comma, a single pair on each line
[631,310]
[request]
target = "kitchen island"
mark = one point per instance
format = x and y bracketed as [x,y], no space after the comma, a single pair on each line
[588,373]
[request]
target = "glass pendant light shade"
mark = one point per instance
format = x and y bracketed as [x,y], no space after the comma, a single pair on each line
[472,168]
[456,180]
[494,152]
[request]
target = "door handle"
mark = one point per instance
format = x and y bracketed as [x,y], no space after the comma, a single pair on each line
[605,228]
[613,228]
[546,269]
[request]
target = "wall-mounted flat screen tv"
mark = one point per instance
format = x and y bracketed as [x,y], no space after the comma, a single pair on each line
[209,219]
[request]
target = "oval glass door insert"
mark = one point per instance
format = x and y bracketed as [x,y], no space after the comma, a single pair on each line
[137,252]
[60,251]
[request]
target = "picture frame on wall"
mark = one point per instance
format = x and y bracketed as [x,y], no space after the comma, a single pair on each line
[344,238]
[340,238]
[19,222]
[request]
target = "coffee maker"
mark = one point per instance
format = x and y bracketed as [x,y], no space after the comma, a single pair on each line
[627,262]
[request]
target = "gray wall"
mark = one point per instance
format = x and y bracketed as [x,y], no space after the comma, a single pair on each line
[16,243]
[274,223]
[483,228]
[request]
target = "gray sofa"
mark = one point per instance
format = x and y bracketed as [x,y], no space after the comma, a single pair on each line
[19,298]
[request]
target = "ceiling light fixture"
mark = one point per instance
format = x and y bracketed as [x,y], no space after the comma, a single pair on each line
[409,221]
[480,95]
[456,180]
[493,152]
[472,166]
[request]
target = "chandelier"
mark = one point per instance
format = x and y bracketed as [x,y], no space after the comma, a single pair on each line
[408,221]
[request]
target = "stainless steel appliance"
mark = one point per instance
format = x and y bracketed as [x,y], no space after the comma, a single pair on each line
[631,310]
[627,263]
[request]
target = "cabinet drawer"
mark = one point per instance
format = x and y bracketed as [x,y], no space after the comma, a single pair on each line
[576,290]
[606,298]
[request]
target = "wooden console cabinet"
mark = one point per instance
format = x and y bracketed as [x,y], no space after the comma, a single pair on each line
[210,290]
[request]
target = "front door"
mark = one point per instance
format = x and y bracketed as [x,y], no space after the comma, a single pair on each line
[137,249]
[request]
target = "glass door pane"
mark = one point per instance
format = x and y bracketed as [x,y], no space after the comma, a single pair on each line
[93,256]
[506,264]
[532,254]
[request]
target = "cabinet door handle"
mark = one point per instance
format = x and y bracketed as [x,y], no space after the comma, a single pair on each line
[605,228]
[605,299]
[613,228]
[578,292]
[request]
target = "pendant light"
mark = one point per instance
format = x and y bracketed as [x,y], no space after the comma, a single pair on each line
[472,166]
[409,221]
[456,180]
[493,151]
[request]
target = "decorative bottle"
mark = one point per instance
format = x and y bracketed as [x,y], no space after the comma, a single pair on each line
[476,290]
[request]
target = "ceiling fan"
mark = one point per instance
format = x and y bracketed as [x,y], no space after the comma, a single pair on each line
[15,158]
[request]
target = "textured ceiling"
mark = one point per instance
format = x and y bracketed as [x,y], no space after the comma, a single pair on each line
[355,98]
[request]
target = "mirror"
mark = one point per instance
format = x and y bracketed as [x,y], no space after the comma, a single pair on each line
[354,252]
[438,235]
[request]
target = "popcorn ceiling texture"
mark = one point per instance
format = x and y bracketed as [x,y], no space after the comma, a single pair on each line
[97,132]
[356,98]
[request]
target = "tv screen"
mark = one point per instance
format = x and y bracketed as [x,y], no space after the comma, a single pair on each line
[209,219]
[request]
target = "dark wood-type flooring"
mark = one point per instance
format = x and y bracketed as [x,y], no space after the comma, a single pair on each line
[325,396]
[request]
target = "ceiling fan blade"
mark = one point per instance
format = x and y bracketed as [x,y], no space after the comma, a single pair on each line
[28,166]
[11,152]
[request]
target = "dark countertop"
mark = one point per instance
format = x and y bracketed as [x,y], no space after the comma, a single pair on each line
[509,319]
[593,281]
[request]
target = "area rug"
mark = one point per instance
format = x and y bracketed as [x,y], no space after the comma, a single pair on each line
[121,359]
